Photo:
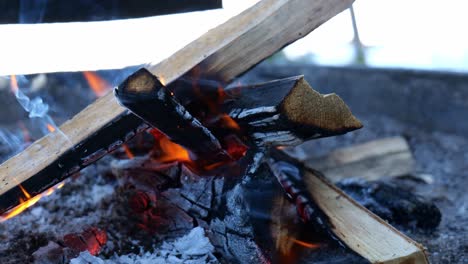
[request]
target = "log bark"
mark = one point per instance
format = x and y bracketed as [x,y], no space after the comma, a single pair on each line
[358,228]
[224,52]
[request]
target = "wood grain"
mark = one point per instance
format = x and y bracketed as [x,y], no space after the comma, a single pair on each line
[387,157]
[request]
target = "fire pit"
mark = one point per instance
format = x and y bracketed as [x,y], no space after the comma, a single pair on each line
[184,167]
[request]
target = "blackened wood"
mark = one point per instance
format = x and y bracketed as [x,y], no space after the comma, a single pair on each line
[147,98]
[106,140]
[289,174]
[357,227]
[394,203]
[52,11]
[287,112]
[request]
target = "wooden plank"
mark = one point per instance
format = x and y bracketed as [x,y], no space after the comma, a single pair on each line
[361,230]
[388,157]
[241,42]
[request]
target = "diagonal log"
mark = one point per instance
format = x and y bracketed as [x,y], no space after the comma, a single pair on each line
[224,52]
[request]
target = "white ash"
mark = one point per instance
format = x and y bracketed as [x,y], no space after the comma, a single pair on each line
[194,248]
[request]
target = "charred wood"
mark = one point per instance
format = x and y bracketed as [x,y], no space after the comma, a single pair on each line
[394,203]
[355,226]
[147,98]
[287,112]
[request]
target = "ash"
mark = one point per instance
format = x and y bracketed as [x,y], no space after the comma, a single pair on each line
[193,248]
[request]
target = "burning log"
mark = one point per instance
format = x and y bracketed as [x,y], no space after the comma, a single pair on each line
[287,112]
[355,226]
[145,96]
[216,54]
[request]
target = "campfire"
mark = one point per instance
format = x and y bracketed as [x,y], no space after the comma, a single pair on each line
[185,164]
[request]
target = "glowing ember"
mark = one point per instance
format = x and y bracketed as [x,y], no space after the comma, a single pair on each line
[227,122]
[99,86]
[128,152]
[28,201]
[50,127]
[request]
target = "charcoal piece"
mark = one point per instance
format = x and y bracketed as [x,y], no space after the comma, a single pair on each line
[394,203]
[233,235]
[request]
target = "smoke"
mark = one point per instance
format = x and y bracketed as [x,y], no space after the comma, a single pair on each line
[36,107]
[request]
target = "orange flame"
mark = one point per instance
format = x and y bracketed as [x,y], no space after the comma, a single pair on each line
[305,244]
[28,201]
[227,121]
[50,127]
[13,84]
[170,151]
[128,152]
[99,86]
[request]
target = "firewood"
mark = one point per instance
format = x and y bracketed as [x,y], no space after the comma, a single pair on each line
[388,157]
[287,112]
[282,112]
[153,103]
[224,52]
[355,226]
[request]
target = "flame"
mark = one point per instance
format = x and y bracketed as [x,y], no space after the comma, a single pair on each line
[99,86]
[28,201]
[14,84]
[170,151]
[304,244]
[50,127]
[227,121]
[128,152]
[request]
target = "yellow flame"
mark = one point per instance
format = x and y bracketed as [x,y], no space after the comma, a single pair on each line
[28,201]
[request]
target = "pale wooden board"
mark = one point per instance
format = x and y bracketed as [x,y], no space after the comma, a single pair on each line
[361,230]
[226,51]
[387,157]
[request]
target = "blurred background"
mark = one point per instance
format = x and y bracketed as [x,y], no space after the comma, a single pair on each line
[399,34]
